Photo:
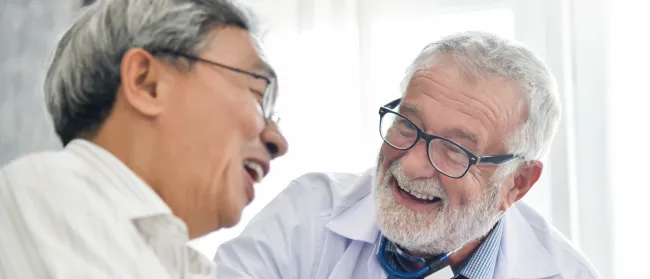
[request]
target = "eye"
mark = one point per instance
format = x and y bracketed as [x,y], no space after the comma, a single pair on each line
[408,124]
[258,94]
[405,127]
[453,148]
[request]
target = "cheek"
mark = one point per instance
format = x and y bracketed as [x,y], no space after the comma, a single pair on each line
[212,149]
[461,192]
[230,197]
[388,155]
[247,116]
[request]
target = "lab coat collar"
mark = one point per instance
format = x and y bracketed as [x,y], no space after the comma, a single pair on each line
[522,255]
[353,216]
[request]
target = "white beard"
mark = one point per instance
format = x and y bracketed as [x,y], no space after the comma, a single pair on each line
[431,233]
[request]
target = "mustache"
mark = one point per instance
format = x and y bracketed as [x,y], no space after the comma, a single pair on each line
[430,186]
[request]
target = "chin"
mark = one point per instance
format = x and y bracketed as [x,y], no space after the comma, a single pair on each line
[230,214]
[230,221]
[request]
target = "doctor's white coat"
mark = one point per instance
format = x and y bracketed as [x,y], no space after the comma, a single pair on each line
[323,226]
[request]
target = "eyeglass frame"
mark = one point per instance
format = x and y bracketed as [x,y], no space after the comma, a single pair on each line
[473,158]
[272,115]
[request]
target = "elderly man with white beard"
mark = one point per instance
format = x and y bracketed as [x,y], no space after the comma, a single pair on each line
[462,147]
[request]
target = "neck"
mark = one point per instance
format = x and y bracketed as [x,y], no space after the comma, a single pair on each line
[131,146]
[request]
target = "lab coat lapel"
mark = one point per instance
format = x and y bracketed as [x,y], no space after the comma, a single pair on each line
[375,271]
[354,219]
[354,216]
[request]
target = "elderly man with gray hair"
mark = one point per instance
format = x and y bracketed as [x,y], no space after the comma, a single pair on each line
[461,147]
[165,109]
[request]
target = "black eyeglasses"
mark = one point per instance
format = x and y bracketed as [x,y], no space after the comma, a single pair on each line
[265,106]
[446,156]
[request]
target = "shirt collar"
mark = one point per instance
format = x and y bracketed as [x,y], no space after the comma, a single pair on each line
[482,262]
[135,197]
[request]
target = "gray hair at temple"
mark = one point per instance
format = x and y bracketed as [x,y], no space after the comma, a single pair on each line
[481,54]
[82,80]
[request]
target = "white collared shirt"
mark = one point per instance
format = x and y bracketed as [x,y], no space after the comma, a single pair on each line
[82,213]
[322,226]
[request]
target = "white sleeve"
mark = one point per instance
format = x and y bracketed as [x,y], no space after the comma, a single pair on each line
[281,242]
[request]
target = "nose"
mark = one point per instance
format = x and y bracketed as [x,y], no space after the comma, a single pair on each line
[415,162]
[274,141]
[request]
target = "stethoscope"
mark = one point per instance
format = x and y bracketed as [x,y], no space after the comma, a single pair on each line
[431,265]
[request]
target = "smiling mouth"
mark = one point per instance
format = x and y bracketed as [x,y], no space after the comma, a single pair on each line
[254,170]
[419,197]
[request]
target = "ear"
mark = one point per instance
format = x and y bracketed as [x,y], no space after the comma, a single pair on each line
[140,73]
[524,180]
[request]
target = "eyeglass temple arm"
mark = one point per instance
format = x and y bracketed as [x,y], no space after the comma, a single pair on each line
[496,160]
[393,104]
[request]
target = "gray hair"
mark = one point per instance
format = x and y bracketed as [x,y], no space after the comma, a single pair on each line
[82,80]
[486,55]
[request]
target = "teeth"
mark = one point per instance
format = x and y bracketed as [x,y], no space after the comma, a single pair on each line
[418,195]
[257,168]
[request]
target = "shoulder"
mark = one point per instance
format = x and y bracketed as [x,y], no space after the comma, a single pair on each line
[52,190]
[49,206]
[286,238]
[306,205]
[571,262]
[42,167]
[317,195]
[54,176]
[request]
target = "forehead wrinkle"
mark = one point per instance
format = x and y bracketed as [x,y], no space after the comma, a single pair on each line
[450,70]
[505,115]
[450,97]
[460,106]
[460,111]
[495,114]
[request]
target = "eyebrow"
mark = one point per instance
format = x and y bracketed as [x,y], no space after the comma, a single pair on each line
[454,132]
[411,110]
[459,133]
[260,65]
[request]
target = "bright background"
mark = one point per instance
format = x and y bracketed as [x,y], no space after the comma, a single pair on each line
[338,61]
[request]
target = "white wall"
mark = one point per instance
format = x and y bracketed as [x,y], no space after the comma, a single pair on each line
[628,98]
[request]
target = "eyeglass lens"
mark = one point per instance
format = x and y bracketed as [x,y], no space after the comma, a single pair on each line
[446,156]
